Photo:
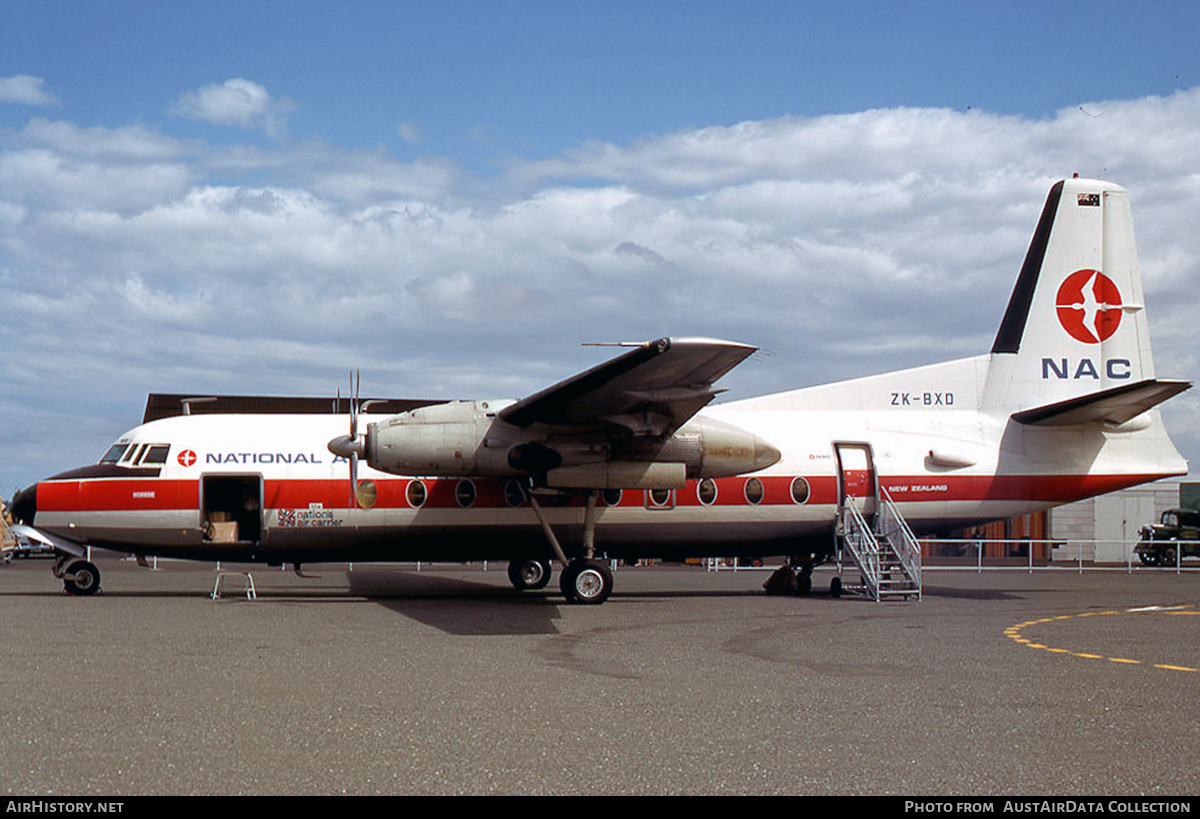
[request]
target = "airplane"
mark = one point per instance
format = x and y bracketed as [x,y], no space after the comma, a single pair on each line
[634,459]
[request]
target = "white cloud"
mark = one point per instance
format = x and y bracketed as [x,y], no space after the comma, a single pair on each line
[25,90]
[237,102]
[843,245]
[409,132]
[129,143]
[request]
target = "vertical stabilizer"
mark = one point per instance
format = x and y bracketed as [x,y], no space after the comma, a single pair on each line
[1075,323]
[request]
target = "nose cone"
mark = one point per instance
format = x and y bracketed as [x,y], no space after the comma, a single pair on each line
[24,505]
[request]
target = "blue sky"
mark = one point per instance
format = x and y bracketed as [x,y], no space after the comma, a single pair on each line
[480,82]
[256,197]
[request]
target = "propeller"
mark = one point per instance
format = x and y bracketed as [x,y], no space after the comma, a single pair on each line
[352,446]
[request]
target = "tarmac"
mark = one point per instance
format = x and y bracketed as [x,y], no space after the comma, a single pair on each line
[380,679]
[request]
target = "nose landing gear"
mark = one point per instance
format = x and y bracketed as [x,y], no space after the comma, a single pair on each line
[80,578]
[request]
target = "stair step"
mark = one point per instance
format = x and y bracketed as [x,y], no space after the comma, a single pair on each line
[888,560]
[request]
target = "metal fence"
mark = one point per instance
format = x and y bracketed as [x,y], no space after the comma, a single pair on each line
[1025,554]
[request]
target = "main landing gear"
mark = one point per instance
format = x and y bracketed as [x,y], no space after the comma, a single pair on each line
[529,574]
[584,580]
[589,582]
[80,577]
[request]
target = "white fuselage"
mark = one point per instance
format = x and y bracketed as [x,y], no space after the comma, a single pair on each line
[919,435]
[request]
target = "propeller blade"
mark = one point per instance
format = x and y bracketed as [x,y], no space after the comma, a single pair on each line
[353,404]
[351,446]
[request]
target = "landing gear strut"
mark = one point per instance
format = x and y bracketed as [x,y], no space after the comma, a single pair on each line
[583,580]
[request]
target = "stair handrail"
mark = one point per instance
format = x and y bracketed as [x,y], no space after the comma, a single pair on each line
[899,535]
[863,545]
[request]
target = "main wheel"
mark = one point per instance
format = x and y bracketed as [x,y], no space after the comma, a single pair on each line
[586,581]
[529,574]
[81,578]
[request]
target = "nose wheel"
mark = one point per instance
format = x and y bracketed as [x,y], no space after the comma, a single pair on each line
[80,578]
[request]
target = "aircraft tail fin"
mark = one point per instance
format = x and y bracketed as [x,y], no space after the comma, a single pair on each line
[1074,344]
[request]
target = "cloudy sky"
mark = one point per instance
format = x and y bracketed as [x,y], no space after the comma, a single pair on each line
[232,197]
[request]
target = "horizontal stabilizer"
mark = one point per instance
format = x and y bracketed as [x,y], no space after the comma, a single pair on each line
[1114,406]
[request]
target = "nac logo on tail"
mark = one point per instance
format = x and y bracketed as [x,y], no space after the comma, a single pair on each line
[1089,308]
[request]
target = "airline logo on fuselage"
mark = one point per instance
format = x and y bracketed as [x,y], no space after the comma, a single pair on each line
[262,458]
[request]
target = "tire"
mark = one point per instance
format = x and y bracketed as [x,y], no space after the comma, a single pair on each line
[81,579]
[1167,556]
[835,587]
[1149,558]
[529,574]
[587,582]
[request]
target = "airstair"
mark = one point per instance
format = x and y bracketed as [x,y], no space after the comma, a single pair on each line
[882,549]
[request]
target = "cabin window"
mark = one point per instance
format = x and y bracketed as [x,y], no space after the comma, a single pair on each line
[659,498]
[464,493]
[415,494]
[799,490]
[514,493]
[754,491]
[706,491]
[366,493]
[612,497]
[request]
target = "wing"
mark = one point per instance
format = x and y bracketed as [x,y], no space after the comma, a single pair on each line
[651,390]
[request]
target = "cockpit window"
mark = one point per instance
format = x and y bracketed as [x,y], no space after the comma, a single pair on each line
[134,454]
[114,453]
[156,454]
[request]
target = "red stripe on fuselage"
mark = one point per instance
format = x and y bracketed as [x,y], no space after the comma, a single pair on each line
[117,494]
[120,494]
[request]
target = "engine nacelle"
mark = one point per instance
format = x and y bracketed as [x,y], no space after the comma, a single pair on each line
[707,447]
[467,439]
[444,439]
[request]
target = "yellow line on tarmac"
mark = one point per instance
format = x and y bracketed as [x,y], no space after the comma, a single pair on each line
[1014,633]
